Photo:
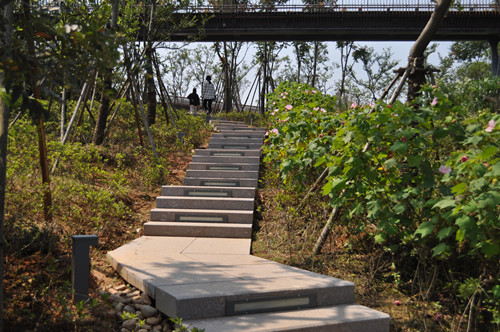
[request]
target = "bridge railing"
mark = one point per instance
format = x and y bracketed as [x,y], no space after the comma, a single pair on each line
[250,6]
[332,5]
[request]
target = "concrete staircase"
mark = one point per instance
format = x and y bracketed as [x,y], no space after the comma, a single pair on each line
[194,258]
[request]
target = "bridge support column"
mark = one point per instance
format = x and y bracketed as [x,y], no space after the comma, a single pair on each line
[495,64]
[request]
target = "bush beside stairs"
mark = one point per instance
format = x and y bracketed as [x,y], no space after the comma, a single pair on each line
[194,258]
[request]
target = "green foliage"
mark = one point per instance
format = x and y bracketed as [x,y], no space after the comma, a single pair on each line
[179,327]
[423,176]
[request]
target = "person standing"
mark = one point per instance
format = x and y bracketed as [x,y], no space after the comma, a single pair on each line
[194,102]
[208,94]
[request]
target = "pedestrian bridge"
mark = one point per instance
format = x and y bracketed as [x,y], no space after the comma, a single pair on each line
[362,20]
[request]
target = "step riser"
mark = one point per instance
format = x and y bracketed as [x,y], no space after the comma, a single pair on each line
[207,307]
[220,174]
[228,160]
[194,191]
[215,216]
[238,141]
[223,166]
[242,146]
[218,182]
[343,318]
[220,136]
[227,153]
[186,230]
[204,203]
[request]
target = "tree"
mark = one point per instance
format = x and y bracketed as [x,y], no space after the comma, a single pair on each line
[5,47]
[376,67]
[416,59]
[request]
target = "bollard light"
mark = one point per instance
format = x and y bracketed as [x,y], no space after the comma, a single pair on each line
[80,265]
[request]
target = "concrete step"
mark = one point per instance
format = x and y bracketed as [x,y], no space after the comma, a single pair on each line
[206,203]
[275,287]
[234,146]
[205,191]
[238,135]
[241,130]
[341,318]
[238,141]
[221,174]
[227,153]
[224,166]
[202,215]
[218,182]
[217,230]
[227,159]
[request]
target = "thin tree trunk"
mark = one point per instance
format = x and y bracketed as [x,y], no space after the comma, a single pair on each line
[141,106]
[495,64]
[315,66]
[102,117]
[325,232]
[150,85]
[64,106]
[47,195]
[5,46]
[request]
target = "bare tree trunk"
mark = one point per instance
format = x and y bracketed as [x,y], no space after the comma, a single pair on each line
[315,66]
[416,78]
[495,64]
[42,147]
[150,85]
[5,46]
[102,117]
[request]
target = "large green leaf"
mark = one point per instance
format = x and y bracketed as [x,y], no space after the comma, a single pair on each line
[439,249]
[400,147]
[445,203]
[425,228]
[459,188]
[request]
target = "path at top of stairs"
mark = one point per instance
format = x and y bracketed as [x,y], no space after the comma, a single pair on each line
[194,259]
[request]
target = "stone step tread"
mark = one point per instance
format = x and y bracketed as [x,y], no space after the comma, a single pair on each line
[215,199]
[209,203]
[235,192]
[223,166]
[201,229]
[208,211]
[225,182]
[262,284]
[222,174]
[342,318]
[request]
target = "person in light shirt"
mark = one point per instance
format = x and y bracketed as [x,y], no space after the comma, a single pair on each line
[208,94]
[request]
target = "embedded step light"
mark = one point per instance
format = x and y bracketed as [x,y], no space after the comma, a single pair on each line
[227,154]
[223,168]
[236,147]
[271,304]
[203,193]
[195,218]
[220,183]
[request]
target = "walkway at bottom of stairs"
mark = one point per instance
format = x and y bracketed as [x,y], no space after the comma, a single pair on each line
[213,283]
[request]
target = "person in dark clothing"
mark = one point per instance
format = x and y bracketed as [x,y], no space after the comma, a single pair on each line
[194,102]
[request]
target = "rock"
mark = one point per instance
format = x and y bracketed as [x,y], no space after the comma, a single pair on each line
[139,315]
[119,307]
[130,324]
[147,310]
[124,330]
[134,293]
[153,320]
[166,328]
[145,327]
[145,299]
[117,299]
[120,288]
[136,299]
[129,308]
[126,291]
[157,327]
[142,330]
